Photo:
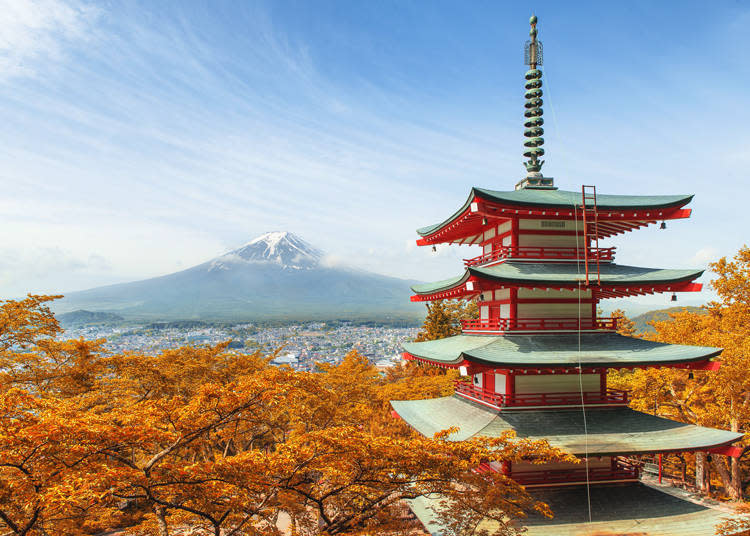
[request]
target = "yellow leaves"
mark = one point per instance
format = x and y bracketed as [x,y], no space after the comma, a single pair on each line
[718,398]
[204,438]
[444,318]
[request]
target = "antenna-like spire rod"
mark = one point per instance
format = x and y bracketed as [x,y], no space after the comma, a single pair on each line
[533,122]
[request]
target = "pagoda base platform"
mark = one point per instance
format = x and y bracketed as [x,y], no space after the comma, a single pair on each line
[634,509]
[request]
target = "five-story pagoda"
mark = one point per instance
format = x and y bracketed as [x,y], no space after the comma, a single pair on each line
[538,355]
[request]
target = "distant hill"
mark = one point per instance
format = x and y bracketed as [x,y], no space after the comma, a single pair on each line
[660,315]
[83,317]
[277,276]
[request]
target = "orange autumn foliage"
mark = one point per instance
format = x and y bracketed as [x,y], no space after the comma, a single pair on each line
[719,399]
[224,443]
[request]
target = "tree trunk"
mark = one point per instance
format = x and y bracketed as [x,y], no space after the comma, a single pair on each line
[161,520]
[734,463]
[736,492]
[700,479]
[725,473]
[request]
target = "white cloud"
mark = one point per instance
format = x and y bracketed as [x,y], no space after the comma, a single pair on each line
[18,265]
[32,31]
[705,255]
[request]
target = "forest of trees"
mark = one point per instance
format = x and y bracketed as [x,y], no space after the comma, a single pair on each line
[224,443]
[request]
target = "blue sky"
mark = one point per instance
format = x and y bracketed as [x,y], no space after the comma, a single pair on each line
[142,138]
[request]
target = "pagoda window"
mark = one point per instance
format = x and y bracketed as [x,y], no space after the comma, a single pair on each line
[504,228]
[549,240]
[489,233]
[507,241]
[487,248]
[557,383]
[503,311]
[477,380]
[502,294]
[484,312]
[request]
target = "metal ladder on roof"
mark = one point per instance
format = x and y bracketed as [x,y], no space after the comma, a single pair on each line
[590,232]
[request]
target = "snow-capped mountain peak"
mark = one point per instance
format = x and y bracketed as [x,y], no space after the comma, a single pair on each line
[279,247]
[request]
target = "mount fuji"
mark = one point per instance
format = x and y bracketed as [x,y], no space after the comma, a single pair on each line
[276,276]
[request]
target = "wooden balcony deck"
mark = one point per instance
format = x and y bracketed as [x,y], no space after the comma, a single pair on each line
[610,397]
[503,325]
[551,254]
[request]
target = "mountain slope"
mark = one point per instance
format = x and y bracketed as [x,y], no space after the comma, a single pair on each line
[660,315]
[275,276]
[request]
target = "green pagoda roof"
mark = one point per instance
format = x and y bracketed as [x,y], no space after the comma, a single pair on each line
[563,199]
[554,274]
[606,431]
[557,349]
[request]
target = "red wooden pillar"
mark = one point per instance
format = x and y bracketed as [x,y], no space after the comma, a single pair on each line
[510,387]
[514,234]
[513,313]
[488,381]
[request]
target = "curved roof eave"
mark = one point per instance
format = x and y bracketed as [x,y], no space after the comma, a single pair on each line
[562,199]
[438,286]
[557,349]
[559,274]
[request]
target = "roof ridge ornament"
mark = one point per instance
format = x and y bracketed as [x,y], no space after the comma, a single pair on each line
[533,57]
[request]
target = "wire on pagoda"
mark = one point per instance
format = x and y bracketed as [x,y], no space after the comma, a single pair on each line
[580,368]
[552,111]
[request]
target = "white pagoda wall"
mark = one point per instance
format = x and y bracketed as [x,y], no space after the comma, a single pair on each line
[553,310]
[549,241]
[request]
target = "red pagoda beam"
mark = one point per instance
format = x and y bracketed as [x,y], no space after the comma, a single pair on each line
[728,450]
[700,365]
[601,291]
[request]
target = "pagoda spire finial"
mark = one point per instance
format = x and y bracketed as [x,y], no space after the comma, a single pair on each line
[533,115]
[533,122]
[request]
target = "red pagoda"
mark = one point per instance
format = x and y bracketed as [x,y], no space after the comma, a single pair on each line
[538,355]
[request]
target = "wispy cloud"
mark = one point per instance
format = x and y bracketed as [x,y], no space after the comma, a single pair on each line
[34,33]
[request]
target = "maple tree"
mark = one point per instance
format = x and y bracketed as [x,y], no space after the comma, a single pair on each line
[444,318]
[625,326]
[719,399]
[225,443]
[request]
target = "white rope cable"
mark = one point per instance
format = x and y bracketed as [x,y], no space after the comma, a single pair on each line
[578,270]
[580,369]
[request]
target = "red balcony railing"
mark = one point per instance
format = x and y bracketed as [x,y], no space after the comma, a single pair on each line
[538,324]
[609,396]
[542,253]
[622,471]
